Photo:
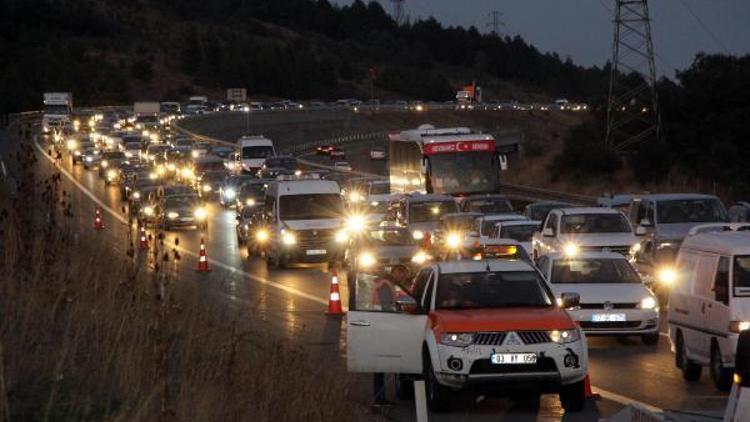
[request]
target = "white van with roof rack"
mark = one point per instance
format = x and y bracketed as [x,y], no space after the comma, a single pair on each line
[253,152]
[710,301]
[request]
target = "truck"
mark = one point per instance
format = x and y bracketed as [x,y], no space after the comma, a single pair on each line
[58,107]
[147,116]
[468,97]
[145,108]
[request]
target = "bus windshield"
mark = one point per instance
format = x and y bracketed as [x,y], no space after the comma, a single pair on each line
[257,152]
[465,172]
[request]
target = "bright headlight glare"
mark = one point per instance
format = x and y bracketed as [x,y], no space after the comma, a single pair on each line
[136,195]
[206,188]
[194,154]
[153,176]
[111,174]
[366,260]
[739,326]
[250,202]
[89,159]
[105,163]
[457,339]
[667,276]
[288,238]
[171,167]
[201,214]
[172,215]
[186,173]
[417,235]
[419,258]
[570,249]
[564,336]
[635,248]
[72,144]
[355,197]
[230,193]
[342,236]
[261,235]
[355,223]
[298,172]
[648,303]
[453,240]
[149,211]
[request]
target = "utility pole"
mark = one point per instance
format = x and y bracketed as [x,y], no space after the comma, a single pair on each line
[632,109]
[494,22]
[398,11]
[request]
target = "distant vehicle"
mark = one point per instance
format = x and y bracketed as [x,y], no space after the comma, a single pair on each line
[618,202]
[663,220]
[183,211]
[486,224]
[305,221]
[169,107]
[420,213]
[455,235]
[614,300]
[249,223]
[324,149]
[109,165]
[230,188]
[486,204]
[342,166]
[58,106]
[210,183]
[251,194]
[387,246]
[377,153]
[145,108]
[709,304]
[466,324]
[253,152]
[90,157]
[574,230]
[337,153]
[286,161]
[522,231]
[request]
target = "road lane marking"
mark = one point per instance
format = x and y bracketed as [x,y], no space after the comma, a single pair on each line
[120,218]
[611,396]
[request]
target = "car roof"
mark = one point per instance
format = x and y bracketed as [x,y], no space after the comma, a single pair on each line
[588,210]
[589,255]
[520,222]
[428,197]
[471,266]
[728,242]
[505,216]
[674,196]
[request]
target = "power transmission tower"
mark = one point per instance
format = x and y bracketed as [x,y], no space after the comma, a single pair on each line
[398,11]
[632,109]
[495,23]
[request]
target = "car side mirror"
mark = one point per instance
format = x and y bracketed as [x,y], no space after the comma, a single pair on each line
[548,232]
[645,223]
[570,300]
[640,231]
[407,304]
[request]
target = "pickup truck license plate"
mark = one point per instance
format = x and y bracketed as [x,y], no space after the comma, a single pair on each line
[513,358]
[316,252]
[608,318]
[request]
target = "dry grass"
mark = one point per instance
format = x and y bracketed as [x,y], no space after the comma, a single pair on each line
[85,336]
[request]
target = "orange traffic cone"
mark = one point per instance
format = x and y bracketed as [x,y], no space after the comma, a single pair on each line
[202,259]
[334,299]
[142,239]
[587,388]
[98,221]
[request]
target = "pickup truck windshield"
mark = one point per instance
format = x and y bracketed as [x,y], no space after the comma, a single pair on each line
[422,212]
[521,233]
[690,211]
[608,271]
[595,223]
[489,205]
[499,289]
[310,207]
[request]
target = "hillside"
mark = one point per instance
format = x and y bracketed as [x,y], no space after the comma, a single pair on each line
[115,51]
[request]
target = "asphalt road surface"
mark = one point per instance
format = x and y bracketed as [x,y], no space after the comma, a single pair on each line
[292,303]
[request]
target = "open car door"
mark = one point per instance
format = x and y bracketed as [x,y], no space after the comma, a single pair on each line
[382,337]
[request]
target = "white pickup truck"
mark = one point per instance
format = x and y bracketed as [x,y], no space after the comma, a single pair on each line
[570,230]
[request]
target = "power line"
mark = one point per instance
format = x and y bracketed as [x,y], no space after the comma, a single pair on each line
[704,26]
[495,23]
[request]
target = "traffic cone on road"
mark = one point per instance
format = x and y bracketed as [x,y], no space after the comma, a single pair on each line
[334,299]
[202,259]
[587,389]
[142,239]
[98,221]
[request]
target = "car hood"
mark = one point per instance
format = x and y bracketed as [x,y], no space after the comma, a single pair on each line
[604,292]
[396,251]
[510,319]
[600,239]
[183,211]
[426,227]
[323,223]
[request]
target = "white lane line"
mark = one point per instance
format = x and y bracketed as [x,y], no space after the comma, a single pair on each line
[120,218]
[624,400]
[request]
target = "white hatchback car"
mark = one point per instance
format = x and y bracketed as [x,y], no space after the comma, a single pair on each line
[614,300]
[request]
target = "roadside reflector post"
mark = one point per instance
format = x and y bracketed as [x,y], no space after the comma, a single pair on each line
[420,401]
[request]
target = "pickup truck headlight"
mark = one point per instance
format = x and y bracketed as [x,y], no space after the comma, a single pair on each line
[250,202]
[457,339]
[288,238]
[262,235]
[200,214]
[565,336]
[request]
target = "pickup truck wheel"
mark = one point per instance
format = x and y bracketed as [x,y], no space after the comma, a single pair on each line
[437,394]
[690,371]
[722,376]
[404,387]
[573,397]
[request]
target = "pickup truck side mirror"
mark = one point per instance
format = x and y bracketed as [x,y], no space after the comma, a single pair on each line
[640,231]
[570,300]
[407,304]
[548,232]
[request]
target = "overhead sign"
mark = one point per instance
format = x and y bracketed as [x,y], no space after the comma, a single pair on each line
[460,146]
[237,95]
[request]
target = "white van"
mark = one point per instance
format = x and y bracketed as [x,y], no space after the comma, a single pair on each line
[253,152]
[304,219]
[710,302]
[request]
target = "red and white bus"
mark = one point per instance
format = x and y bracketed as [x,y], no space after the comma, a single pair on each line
[452,161]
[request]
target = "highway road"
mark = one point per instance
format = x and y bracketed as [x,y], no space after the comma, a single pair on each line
[292,302]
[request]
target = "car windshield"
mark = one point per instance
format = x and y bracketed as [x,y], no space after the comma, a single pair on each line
[133,146]
[223,152]
[311,206]
[257,152]
[521,233]
[594,270]
[391,237]
[182,201]
[459,222]
[595,223]
[206,166]
[380,188]
[114,155]
[690,211]
[252,190]
[539,211]
[56,109]
[741,277]
[282,162]
[467,172]
[422,212]
[490,205]
[492,289]
[488,225]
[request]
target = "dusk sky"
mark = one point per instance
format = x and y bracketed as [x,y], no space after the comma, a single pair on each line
[582,29]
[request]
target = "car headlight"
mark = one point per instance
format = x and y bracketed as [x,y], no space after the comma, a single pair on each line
[206,188]
[137,195]
[457,339]
[342,236]
[374,203]
[153,176]
[201,214]
[739,326]
[570,249]
[77,153]
[128,154]
[667,276]
[417,235]
[229,193]
[149,211]
[171,167]
[172,215]
[662,245]
[635,249]
[355,197]
[250,202]
[105,163]
[262,235]
[565,336]
[355,223]
[366,260]
[186,173]
[72,144]
[194,154]
[419,258]
[161,170]
[89,159]
[298,172]
[453,240]
[111,174]
[648,303]
[288,238]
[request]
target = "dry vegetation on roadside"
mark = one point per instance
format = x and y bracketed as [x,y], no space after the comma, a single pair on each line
[84,336]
